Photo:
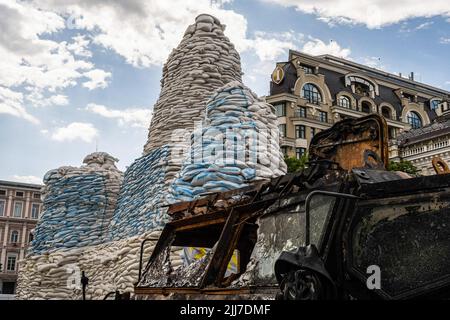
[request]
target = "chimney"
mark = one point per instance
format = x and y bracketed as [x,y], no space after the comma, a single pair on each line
[411,77]
[400,74]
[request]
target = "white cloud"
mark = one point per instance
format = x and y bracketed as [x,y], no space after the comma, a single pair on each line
[372,13]
[75,131]
[79,46]
[318,47]
[373,62]
[33,65]
[444,40]
[98,79]
[133,117]
[143,32]
[11,102]
[37,99]
[27,179]
[424,25]
[269,46]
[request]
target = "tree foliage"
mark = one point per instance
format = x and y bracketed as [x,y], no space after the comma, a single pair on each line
[295,165]
[404,166]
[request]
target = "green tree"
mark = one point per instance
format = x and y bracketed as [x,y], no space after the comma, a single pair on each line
[404,166]
[295,165]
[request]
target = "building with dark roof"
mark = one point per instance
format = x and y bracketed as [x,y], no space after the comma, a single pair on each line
[420,146]
[311,93]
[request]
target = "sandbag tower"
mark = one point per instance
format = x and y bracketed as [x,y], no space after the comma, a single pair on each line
[91,224]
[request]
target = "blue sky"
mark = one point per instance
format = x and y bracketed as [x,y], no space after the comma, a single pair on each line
[81,75]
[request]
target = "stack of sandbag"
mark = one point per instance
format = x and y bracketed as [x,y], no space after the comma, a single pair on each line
[141,196]
[78,204]
[204,61]
[238,145]
[109,267]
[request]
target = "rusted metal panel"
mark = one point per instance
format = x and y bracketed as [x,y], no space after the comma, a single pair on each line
[353,143]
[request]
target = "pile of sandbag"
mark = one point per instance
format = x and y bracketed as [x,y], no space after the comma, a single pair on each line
[141,196]
[204,61]
[109,267]
[78,204]
[238,145]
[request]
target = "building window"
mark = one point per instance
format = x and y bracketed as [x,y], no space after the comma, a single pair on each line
[285,151]
[323,116]
[307,69]
[311,93]
[300,112]
[2,192]
[35,208]
[434,104]
[14,238]
[410,97]
[362,89]
[36,196]
[11,263]
[386,112]
[414,120]
[344,102]
[282,128]
[299,152]
[19,194]
[18,206]
[280,109]
[2,208]
[300,132]
[30,237]
[313,132]
[366,107]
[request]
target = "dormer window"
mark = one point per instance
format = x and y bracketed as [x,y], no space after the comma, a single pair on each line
[362,89]
[434,104]
[307,69]
[414,120]
[366,107]
[408,96]
[344,102]
[362,85]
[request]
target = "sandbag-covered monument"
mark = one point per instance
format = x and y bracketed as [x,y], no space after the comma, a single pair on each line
[209,133]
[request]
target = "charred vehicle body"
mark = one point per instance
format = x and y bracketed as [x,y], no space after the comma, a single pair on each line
[344,228]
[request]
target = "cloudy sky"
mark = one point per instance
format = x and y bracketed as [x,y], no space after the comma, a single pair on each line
[80,75]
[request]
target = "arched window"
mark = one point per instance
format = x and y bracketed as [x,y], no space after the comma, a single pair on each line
[344,102]
[386,112]
[366,107]
[14,236]
[414,119]
[311,93]
[361,85]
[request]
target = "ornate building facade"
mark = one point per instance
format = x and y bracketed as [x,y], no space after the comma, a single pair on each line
[311,93]
[420,146]
[20,208]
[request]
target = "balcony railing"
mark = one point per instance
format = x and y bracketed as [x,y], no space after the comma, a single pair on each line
[287,142]
[301,115]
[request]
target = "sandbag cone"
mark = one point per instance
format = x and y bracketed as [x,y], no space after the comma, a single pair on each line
[204,61]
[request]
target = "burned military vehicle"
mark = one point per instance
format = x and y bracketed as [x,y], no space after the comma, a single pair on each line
[344,228]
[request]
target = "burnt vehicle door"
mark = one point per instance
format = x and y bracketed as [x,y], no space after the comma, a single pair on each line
[401,228]
[389,240]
